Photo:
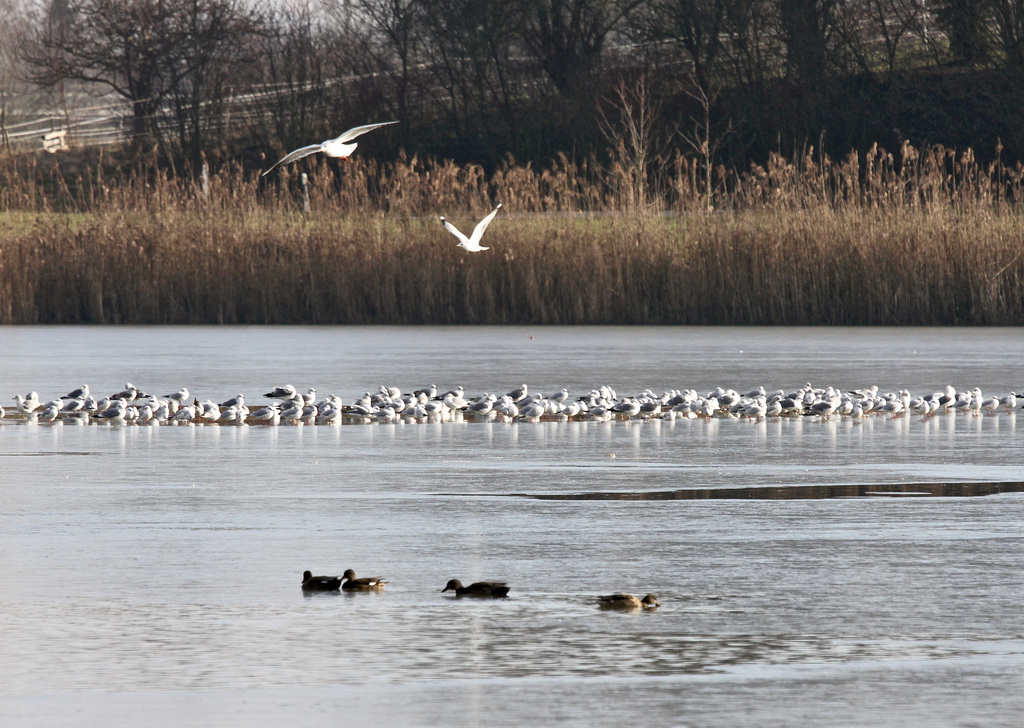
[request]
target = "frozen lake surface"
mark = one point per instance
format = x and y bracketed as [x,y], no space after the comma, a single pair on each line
[151,574]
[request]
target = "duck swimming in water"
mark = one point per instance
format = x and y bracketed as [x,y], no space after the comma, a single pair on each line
[477,589]
[628,602]
[367,583]
[319,583]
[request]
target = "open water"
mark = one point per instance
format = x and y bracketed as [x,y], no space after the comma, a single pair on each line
[150,575]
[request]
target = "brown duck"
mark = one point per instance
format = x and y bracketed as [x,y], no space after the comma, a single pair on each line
[628,602]
[367,583]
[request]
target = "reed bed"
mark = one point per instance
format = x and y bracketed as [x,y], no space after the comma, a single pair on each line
[927,237]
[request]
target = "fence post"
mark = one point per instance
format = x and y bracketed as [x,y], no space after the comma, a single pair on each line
[305,193]
[4,139]
[204,181]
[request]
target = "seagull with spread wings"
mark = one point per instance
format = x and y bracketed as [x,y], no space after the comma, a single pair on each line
[342,147]
[472,243]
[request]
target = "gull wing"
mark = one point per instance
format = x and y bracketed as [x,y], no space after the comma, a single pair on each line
[478,231]
[360,130]
[454,231]
[297,154]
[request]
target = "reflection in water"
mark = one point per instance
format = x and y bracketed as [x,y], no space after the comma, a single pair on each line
[238,648]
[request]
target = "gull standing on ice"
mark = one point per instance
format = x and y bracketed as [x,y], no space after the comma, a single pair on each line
[50,413]
[27,405]
[472,244]
[285,392]
[178,398]
[72,406]
[116,412]
[340,147]
[129,394]
[80,393]
[237,401]
[269,415]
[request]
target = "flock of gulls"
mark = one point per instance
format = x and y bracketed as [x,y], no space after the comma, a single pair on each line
[481,589]
[390,404]
[342,148]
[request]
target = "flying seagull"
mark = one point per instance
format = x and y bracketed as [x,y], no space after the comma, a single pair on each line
[339,147]
[472,244]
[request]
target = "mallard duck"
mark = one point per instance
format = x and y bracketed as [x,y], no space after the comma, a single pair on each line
[367,583]
[628,602]
[477,589]
[319,583]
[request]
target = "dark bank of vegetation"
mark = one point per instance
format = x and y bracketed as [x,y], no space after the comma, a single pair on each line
[477,80]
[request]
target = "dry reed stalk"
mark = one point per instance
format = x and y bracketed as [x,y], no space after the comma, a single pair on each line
[933,239]
[818,266]
[410,186]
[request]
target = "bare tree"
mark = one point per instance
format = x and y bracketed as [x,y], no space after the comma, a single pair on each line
[469,47]
[398,25]
[360,65]
[631,128]
[965,23]
[808,31]
[216,52]
[568,37]
[807,28]
[706,137]
[294,75]
[697,28]
[879,33]
[124,45]
[12,86]
[144,50]
[1008,22]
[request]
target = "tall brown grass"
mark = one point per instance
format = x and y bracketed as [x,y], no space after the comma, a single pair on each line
[926,237]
